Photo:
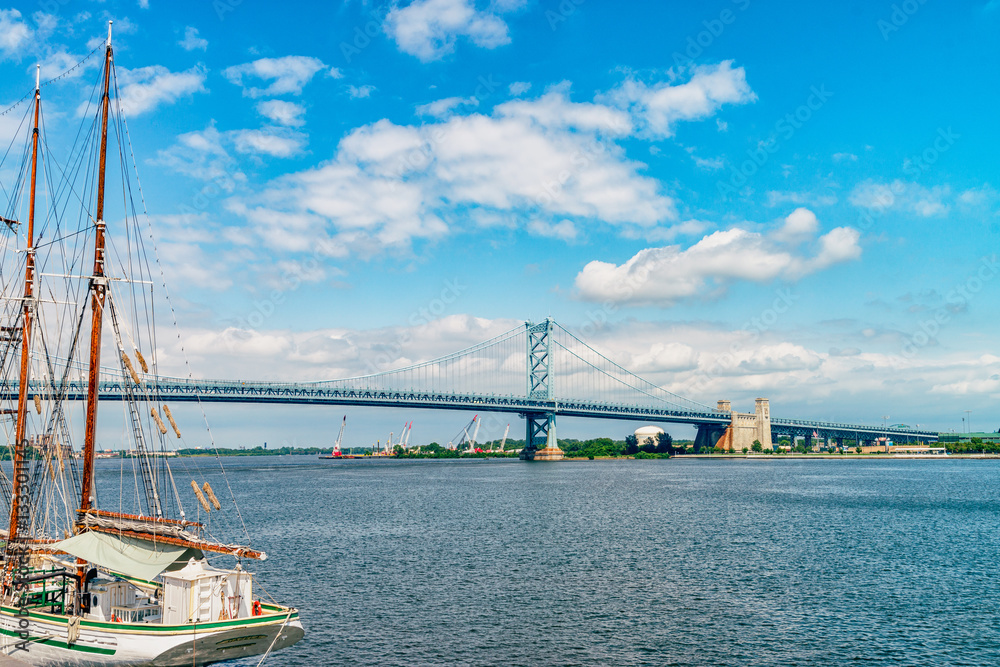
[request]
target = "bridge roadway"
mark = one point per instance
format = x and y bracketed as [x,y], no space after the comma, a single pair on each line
[327,393]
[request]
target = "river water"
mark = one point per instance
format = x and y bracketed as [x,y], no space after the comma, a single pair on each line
[660,562]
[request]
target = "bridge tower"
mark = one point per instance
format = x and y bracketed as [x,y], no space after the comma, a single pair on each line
[540,427]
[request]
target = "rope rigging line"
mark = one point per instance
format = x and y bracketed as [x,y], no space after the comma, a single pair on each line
[53,80]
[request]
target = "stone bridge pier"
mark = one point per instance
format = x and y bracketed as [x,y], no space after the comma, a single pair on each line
[743,429]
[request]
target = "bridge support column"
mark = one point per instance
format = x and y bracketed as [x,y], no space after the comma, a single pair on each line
[540,427]
[708,436]
[540,431]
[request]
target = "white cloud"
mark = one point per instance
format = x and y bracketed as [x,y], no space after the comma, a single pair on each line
[445,107]
[909,197]
[659,107]
[14,33]
[546,161]
[665,275]
[983,196]
[288,75]
[564,230]
[273,141]
[192,41]
[709,164]
[799,226]
[183,247]
[554,110]
[519,88]
[145,88]
[780,198]
[842,157]
[874,195]
[360,92]
[60,62]
[282,112]
[428,29]
[202,156]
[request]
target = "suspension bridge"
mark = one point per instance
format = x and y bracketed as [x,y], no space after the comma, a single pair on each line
[539,371]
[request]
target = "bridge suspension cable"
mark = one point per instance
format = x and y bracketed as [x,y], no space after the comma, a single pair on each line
[620,378]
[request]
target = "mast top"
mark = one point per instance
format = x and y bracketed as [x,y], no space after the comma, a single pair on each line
[38,76]
[109,33]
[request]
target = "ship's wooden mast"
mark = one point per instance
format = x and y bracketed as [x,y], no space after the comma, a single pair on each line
[20,444]
[98,290]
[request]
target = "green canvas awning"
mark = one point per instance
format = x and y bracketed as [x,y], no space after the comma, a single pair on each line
[134,557]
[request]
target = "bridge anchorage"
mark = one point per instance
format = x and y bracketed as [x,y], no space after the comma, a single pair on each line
[540,371]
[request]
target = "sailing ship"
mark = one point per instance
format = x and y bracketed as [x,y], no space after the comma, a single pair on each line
[81,584]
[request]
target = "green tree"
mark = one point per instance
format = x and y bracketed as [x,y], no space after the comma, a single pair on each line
[757,446]
[631,445]
[745,450]
[664,444]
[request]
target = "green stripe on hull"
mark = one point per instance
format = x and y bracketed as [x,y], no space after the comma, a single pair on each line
[58,644]
[133,628]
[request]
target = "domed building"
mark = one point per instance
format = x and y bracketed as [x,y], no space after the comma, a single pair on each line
[650,433]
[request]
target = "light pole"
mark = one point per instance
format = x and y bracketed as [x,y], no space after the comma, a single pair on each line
[968,421]
[885,431]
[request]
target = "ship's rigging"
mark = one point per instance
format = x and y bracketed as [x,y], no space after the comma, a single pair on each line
[74,290]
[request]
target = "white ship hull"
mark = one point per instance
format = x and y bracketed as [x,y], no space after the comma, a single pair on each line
[102,643]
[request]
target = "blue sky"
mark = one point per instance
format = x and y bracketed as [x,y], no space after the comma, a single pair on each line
[671,171]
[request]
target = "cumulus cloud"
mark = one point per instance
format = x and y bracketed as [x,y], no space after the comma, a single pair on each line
[273,141]
[555,110]
[60,62]
[446,107]
[799,226]
[549,162]
[564,229]
[14,33]
[146,88]
[429,29]
[282,112]
[192,41]
[287,75]
[665,275]
[908,197]
[201,155]
[657,108]
[360,92]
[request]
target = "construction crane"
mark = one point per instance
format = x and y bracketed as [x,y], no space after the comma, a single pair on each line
[475,435]
[463,435]
[340,436]
[504,441]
